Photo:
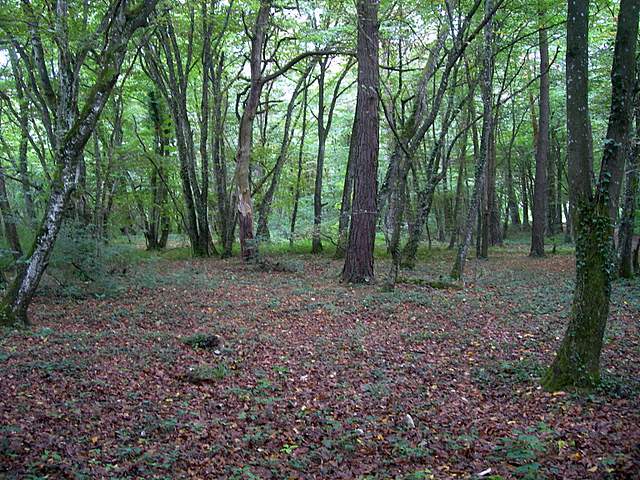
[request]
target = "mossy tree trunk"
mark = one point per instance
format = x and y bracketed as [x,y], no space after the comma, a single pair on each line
[577,363]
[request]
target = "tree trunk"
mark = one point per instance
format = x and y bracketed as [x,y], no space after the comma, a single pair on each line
[226,216]
[358,264]
[23,121]
[457,207]
[9,221]
[248,245]
[577,363]
[125,19]
[512,202]
[316,240]
[627,220]
[457,271]
[347,192]
[540,192]
[265,205]
[296,192]
[525,195]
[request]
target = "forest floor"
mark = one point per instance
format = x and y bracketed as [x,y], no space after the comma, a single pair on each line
[314,379]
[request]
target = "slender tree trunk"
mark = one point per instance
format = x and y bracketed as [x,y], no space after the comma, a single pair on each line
[347,192]
[296,192]
[23,121]
[542,154]
[225,211]
[457,208]
[627,220]
[577,363]
[316,241]
[358,264]
[125,19]
[265,205]
[552,208]
[457,271]
[525,195]
[512,202]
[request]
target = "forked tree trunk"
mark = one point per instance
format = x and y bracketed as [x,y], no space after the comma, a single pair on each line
[577,363]
[358,264]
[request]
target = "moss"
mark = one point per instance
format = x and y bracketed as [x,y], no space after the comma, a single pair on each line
[206,341]
[577,363]
[8,318]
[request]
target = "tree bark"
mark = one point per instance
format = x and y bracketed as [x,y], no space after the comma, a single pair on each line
[627,220]
[125,19]
[577,362]
[457,271]
[248,246]
[358,264]
[540,191]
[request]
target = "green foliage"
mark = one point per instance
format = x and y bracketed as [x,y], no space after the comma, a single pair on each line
[523,450]
[207,373]
[205,341]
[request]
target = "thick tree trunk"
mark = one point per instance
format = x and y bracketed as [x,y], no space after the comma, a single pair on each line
[577,363]
[358,265]
[540,192]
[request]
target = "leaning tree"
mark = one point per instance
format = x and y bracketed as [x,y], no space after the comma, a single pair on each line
[71,124]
